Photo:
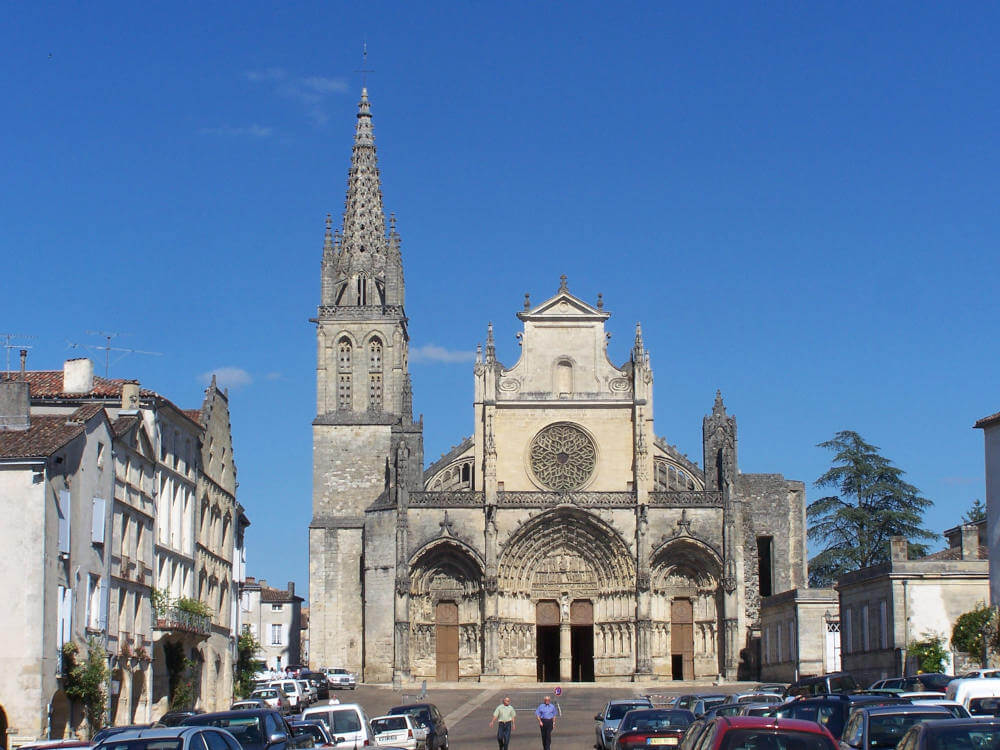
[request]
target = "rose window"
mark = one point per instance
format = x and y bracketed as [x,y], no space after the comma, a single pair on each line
[562,457]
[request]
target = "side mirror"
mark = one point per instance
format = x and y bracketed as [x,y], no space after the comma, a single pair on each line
[277,738]
[598,717]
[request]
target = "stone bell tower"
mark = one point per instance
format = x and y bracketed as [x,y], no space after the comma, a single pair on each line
[363,402]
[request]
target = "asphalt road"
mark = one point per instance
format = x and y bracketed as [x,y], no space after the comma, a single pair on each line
[468,711]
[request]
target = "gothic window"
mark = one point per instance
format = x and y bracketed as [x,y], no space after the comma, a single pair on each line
[344,391]
[564,377]
[362,291]
[375,391]
[375,355]
[562,457]
[344,354]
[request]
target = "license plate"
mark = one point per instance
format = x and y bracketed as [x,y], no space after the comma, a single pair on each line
[661,740]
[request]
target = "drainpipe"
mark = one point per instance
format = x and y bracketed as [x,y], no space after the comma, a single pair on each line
[906,629]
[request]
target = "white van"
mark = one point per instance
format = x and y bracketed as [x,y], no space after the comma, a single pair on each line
[293,691]
[964,690]
[347,722]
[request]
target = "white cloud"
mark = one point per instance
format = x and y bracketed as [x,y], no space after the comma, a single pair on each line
[227,377]
[310,91]
[258,131]
[435,353]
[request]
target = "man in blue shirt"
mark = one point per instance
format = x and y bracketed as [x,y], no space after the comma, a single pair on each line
[546,714]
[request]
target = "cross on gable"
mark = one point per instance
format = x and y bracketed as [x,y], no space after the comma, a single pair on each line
[447,526]
[684,523]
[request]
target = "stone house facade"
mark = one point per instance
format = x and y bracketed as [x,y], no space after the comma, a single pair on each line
[563,539]
[158,463]
[991,437]
[275,618]
[884,608]
[800,634]
[55,479]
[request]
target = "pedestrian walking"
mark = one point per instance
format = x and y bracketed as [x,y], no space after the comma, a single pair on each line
[546,714]
[504,716]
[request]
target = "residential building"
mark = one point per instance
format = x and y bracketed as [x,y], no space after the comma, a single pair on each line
[991,435]
[800,634]
[885,608]
[56,477]
[274,617]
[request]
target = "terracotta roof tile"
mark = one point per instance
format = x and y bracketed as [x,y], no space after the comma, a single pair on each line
[124,424]
[987,421]
[49,383]
[46,435]
[193,414]
[955,553]
[275,596]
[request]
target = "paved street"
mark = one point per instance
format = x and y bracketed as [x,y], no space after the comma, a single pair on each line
[468,710]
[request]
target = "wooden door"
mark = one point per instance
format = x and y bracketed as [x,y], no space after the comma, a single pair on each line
[447,641]
[682,635]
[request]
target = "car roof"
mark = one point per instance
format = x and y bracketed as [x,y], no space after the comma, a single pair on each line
[201,719]
[974,723]
[769,722]
[153,733]
[393,716]
[620,701]
[412,705]
[905,708]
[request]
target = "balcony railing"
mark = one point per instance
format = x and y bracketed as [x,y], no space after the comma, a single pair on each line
[172,618]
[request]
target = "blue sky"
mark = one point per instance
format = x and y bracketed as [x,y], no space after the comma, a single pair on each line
[797,200]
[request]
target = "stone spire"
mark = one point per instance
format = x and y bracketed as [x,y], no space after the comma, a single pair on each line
[639,349]
[491,350]
[361,253]
[718,408]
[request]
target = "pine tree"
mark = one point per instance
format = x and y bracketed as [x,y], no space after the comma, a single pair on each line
[873,505]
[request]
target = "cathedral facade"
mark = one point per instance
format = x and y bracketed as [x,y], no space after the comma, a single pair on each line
[563,540]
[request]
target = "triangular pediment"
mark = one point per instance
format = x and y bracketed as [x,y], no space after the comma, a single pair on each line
[562,306]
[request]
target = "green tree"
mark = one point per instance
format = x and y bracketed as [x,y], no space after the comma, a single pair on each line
[929,653]
[976,513]
[85,681]
[247,665]
[874,504]
[969,632]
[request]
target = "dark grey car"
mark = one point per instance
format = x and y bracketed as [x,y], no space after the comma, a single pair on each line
[882,727]
[953,734]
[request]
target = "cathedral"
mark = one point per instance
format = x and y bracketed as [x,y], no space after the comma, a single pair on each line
[563,540]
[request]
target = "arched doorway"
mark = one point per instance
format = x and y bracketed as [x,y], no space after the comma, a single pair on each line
[686,609]
[573,560]
[58,715]
[446,603]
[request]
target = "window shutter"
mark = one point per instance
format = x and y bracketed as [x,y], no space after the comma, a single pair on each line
[97,526]
[65,615]
[103,618]
[63,509]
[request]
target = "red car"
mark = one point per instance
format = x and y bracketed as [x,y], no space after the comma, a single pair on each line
[764,733]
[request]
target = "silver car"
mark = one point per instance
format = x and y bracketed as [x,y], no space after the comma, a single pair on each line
[171,738]
[611,716]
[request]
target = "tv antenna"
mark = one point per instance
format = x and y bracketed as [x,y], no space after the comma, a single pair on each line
[107,348]
[9,345]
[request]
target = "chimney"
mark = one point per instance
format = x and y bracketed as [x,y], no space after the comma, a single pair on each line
[898,548]
[78,375]
[24,359]
[970,541]
[130,395]
[15,405]
[291,588]
[262,583]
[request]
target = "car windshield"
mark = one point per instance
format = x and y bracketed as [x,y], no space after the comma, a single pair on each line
[312,729]
[842,684]
[822,713]
[343,720]
[756,739]
[264,694]
[888,730]
[654,721]
[163,743]
[987,738]
[617,710]
[246,729]
[389,724]
[935,681]
[984,706]
[419,715]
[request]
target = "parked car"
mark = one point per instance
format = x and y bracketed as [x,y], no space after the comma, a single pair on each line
[831,711]
[699,703]
[274,698]
[399,730]
[609,718]
[170,738]
[642,727]
[256,729]
[317,730]
[756,698]
[293,691]
[347,722]
[882,727]
[962,691]
[916,682]
[319,682]
[988,706]
[957,709]
[694,732]
[310,693]
[249,703]
[978,673]
[723,709]
[764,733]
[834,682]
[55,745]
[175,718]
[103,734]
[428,718]
[953,734]
[341,678]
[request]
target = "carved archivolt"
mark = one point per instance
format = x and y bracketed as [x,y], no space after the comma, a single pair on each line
[445,566]
[685,562]
[566,549]
[562,457]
